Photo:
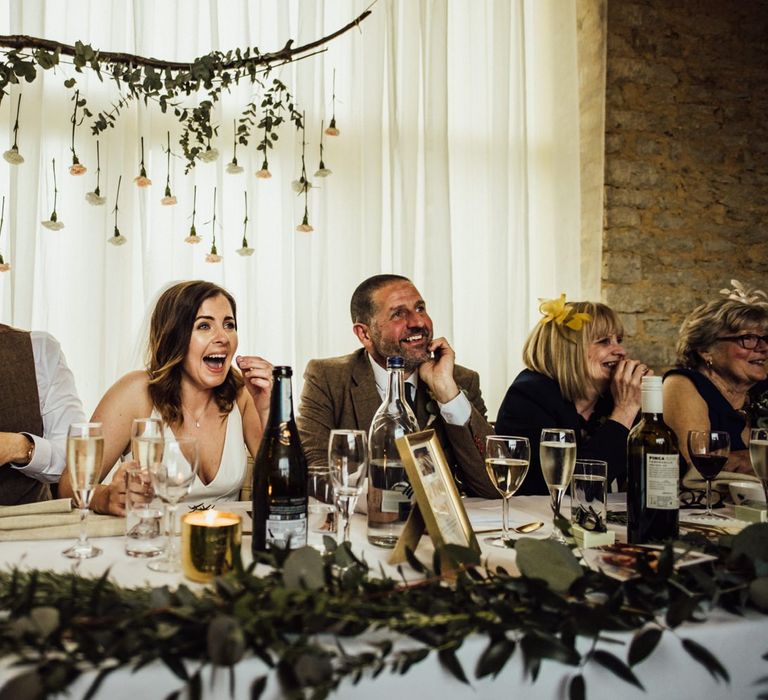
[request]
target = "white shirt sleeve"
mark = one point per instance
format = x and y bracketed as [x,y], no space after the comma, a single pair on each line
[59,407]
[457,411]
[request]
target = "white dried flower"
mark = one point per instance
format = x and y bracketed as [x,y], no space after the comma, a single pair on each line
[95,199]
[209,155]
[13,156]
[233,168]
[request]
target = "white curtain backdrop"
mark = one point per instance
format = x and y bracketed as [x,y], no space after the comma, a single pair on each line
[457,165]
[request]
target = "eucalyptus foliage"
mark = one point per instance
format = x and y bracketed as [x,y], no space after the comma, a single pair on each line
[189,90]
[297,618]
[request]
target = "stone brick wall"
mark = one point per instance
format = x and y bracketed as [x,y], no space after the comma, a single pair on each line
[686,171]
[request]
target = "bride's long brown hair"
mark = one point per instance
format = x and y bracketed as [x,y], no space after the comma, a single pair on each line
[169,334]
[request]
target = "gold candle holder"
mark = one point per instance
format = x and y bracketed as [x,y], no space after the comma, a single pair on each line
[210,543]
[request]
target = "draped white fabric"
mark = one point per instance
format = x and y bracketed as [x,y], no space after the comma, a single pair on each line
[457,165]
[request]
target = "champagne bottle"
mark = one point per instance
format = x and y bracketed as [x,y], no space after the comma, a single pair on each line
[653,504]
[280,474]
[389,493]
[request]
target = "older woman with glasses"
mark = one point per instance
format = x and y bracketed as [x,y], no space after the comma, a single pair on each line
[721,351]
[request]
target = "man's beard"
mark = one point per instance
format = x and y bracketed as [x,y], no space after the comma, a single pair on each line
[412,357]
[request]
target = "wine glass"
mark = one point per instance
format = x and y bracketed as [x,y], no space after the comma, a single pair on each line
[85,450]
[506,461]
[708,450]
[172,474]
[142,514]
[758,454]
[348,462]
[557,454]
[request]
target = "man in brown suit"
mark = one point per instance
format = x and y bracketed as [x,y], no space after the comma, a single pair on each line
[38,401]
[390,318]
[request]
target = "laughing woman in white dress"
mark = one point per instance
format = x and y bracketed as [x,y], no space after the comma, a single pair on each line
[191,385]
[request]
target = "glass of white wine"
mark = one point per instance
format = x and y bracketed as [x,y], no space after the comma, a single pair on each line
[85,450]
[142,511]
[758,454]
[557,454]
[173,474]
[506,461]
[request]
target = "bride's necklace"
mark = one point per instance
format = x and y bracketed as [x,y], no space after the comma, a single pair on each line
[200,415]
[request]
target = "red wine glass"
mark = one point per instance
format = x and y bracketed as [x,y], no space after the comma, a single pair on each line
[708,451]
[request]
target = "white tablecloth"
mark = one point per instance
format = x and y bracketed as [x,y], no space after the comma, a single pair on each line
[669,673]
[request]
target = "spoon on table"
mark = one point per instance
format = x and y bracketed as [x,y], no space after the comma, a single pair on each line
[520,529]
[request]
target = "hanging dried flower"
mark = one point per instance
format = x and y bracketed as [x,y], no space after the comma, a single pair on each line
[302,185]
[12,155]
[53,222]
[332,130]
[117,238]
[232,167]
[141,179]
[209,154]
[264,173]
[193,237]
[77,168]
[322,171]
[4,266]
[213,256]
[94,198]
[305,226]
[245,251]
[168,199]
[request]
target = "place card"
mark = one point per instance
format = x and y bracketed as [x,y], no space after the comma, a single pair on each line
[586,539]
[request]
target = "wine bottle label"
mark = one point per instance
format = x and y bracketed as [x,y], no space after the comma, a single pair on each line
[287,519]
[661,477]
[391,500]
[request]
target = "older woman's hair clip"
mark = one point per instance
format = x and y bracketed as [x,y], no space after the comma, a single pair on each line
[745,295]
[560,313]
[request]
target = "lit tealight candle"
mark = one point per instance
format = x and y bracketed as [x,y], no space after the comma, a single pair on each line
[210,543]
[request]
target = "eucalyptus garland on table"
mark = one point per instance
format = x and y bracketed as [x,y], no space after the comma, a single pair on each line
[170,83]
[296,618]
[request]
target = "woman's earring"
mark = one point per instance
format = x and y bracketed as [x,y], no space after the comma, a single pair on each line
[709,363]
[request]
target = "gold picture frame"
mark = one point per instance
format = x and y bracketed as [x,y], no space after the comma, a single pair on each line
[438,504]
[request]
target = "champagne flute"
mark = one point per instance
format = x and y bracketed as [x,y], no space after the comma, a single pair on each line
[557,454]
[506,461]
[172,476]
[758,454]
[142,516]
[348,462]
[85,450]
[708,450]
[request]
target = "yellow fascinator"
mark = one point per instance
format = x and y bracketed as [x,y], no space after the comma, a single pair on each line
[560,313]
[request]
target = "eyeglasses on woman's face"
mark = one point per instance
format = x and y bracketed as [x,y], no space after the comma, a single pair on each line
[748,341]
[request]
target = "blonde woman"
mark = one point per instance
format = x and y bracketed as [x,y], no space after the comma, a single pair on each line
[578,376]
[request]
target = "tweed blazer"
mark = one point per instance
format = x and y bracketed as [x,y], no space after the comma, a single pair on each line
[340,392]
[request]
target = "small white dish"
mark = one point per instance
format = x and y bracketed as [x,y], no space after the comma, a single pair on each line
[746,491]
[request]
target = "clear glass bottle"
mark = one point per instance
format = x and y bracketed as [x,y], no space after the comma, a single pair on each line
[653,501]
[389,493]
[280,474]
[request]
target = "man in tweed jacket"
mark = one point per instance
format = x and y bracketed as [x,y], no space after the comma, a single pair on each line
[390,318]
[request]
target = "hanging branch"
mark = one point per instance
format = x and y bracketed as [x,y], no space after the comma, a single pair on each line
[167,82]
[86,54]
